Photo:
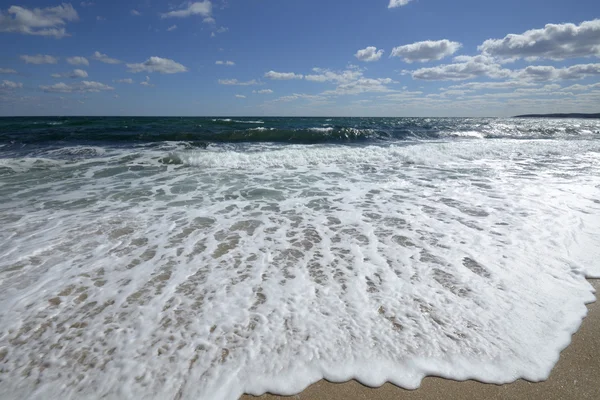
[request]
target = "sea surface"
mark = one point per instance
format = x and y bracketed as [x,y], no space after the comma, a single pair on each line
[201,258]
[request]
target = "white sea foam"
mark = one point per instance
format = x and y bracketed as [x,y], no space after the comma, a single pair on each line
[321,129]
[238,121]
[266,268]
[472,134]
[260,129]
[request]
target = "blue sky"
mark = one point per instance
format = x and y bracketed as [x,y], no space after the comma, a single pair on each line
[283,57]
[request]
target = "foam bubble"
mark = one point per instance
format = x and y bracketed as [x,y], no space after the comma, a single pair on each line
[321,129]
[472,134]
[266,268]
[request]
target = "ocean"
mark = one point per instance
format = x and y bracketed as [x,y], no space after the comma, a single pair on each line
[203,258]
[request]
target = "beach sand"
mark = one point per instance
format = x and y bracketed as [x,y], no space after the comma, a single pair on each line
[575,376]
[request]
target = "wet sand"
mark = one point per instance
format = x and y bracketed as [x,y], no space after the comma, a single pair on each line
[575,376]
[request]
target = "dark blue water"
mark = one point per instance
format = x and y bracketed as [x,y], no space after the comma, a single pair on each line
[123,130]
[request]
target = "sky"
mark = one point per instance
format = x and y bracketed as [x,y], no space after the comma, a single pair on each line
[299,58]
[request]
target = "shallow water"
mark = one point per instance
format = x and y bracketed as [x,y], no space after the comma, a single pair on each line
[165,269]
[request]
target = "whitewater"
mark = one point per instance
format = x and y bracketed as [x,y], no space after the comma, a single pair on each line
[196,259]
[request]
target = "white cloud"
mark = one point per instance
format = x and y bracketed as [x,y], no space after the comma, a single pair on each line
[104,58]
[554,41]
[203,8]
[7,71]
[263,91]
[78,61]
[75,74]
[428,50]
[79,87]
[235,82]
[171,28]
[126,80]
[86,3]
[228,63]
[39,59]
[325,75]
[48,21]
[100,18]
[398,3]
[240,96]
[546,73]
[580,88]
[469,68]
[283,75]
[361,85]
[350,81]
[297,96]
[222,29]
[369,54]
[402,96]
[157,64]
[10,85]
[146,82]
[490,85]
[135,13]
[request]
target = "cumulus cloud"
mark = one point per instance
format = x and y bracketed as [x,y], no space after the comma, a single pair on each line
[203,8]
[428,50]
[326,75]
[398,3]
[554,42]
[39,59]
[75,74]
[135,13]
[157,64]
[10,85]
[228,63]
[240,96]
[222,29]
[361,85]
[490,85]
[146,82]
[580,88]
[313,99]
[235,82]
[297,96]
[283,75]
[79,87]
[49,21]
[263,91]
[104,58]
[350,81]
[171,28]
[126,80]
[369,54]
[78,61]
[547,73]
[469,68]
[7,71]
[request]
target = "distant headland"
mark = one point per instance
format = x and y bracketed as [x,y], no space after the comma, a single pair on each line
[573,115]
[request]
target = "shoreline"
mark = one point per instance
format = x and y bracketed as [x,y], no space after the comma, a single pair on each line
[575,376]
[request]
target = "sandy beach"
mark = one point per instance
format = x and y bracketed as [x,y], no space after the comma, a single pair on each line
[574,377]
